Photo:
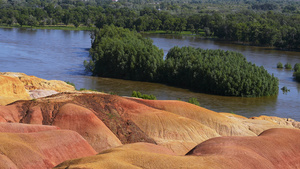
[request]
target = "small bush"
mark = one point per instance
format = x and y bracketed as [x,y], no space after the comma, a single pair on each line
[288,66]
[143,96]
[285,89]
[279,65]
[113,93]
[194,101]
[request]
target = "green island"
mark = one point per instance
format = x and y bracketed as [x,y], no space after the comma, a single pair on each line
[120,53]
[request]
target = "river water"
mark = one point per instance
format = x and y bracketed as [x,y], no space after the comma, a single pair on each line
[58,54]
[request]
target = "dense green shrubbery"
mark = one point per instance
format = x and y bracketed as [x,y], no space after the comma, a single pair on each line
[217,72]
[143,96]
[120,53]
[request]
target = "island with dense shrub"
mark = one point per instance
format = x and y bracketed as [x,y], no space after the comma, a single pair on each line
[120,53]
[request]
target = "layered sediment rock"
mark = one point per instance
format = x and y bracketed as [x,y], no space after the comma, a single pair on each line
[115,120]
[31,135]
[43,149]
[12,89]
[274,148]
[35,83]
[85,122]
[19,86]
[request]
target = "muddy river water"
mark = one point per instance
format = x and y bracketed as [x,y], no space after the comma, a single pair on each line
[58,54]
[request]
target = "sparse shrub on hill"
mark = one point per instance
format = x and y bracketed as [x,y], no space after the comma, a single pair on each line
[143,96]
[194,101]
[70,83]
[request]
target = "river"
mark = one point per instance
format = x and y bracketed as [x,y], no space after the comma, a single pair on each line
[59,54]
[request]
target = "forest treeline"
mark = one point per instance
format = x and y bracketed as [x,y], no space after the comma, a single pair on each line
[121,53]
[262,23]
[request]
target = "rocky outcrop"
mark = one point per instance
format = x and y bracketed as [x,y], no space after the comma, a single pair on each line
[127,120]
[131,132]
[19,86]
[280,121]
[43,149]
[35,83]
[86,123]
[34,94]
[107,121]
[224,124]
[11,90]
[24,128]
[274,148]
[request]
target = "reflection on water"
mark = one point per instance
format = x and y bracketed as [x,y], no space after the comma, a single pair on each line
[58,54]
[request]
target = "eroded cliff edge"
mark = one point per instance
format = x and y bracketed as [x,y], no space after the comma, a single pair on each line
[131,131]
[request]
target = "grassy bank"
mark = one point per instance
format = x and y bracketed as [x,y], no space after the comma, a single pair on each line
[85,28]
[54,27]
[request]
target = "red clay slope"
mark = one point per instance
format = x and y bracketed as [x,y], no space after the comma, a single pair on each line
[24,128]
[43,149]
[273,149]
[85,122]
[106,121]
[128,120]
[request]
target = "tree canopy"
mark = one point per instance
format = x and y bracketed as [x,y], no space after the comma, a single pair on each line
[121,53]
[217,72]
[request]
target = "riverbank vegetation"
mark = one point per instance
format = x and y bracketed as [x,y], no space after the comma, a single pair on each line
[143,96]
[262,23]
[288,66]
[121,53]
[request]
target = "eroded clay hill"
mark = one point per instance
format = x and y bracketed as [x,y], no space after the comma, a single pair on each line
[39,146]
[273,149]
[107,121]
[12,89]
[19,86]
[132,133]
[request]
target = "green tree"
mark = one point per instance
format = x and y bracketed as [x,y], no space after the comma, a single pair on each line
[217,72]
[32,21]
[22,19]
[121,53]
